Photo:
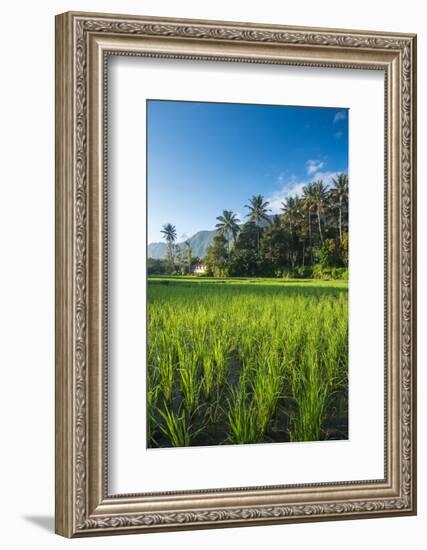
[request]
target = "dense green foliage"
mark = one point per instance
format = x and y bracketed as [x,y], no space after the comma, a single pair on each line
[183,263]
[308,237]
[246,360]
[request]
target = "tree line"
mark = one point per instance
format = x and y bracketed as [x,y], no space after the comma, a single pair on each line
[178,259]
[309,237]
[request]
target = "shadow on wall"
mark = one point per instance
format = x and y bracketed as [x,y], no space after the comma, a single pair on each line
[44,522]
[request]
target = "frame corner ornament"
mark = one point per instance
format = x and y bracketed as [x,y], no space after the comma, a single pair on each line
[82,510]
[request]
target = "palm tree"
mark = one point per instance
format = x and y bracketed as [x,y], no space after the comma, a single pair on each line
[258,209]
[228,226]
[290,211]
[320,200]
[308,205]
[339,195]
[276,222]
[178,258]
[169,234]
[188,255]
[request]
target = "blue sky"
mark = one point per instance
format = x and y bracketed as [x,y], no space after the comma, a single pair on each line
[204,158]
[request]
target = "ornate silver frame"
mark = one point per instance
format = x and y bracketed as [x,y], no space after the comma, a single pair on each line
[83,42]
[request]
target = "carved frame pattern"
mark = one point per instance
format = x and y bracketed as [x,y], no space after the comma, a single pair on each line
[77,510]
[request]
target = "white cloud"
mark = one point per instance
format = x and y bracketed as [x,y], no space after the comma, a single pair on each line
[326,177]
[294,186]
[287,189]
[340,115]
[313,166]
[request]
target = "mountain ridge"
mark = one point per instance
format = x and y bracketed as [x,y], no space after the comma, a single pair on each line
[199,243]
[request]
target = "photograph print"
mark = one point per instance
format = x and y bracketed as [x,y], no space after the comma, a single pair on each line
[247,274]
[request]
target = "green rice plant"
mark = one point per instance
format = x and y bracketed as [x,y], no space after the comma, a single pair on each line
[310,395]
[219,360]
[153,390]
[214,411]
[242,416]
[334,343]
[267,386]
[165,369]
[199,337]
[152,397]
[190,384]
[230,353]
[208,375]
[176,428]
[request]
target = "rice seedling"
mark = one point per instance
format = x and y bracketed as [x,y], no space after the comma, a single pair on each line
[190,384]
[230,355]
[219,360]
[152,397]
[208,375]
[267,388]
[165,368]
[176,428]
[310,395]
[242,416]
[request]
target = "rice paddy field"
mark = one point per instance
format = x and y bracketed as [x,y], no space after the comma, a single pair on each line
[235,361]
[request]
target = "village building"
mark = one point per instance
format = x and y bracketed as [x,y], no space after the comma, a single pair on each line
[199,268]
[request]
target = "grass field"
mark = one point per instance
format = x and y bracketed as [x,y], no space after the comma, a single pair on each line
[234,361]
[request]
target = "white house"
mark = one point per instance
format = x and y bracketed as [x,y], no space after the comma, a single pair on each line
[199,268]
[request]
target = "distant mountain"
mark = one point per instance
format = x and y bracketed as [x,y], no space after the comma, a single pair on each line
[199,244]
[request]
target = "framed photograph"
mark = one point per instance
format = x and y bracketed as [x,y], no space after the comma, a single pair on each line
[235,274]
